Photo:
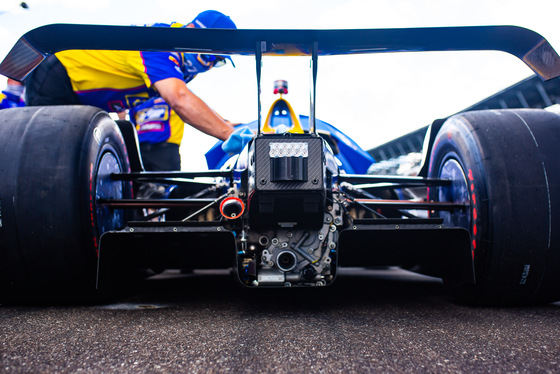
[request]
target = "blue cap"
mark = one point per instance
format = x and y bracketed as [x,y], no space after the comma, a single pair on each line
[212,19]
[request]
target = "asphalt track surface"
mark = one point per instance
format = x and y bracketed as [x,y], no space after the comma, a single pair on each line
[369,321]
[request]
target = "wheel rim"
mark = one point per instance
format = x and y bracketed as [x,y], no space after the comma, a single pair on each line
[106,188]
[457,193]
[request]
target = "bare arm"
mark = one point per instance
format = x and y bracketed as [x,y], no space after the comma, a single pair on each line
[192,109]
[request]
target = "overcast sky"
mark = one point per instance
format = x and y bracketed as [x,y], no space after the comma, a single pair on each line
[372,98]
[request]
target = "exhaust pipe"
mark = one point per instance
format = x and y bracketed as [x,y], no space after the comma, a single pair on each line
[232,208]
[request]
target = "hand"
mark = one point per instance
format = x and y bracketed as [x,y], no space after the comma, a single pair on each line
[237,140]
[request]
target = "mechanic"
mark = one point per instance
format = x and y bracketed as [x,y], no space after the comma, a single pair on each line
[11,97]
[120,80]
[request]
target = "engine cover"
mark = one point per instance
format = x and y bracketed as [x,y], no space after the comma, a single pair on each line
[287,181]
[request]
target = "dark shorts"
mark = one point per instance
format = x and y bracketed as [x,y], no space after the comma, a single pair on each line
[49,84]
[160,156]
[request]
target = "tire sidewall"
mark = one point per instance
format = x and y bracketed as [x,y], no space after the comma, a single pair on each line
[455,141]
[102,137]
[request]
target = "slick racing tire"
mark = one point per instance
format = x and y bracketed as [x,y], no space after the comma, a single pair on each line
[504,166]
[55,162]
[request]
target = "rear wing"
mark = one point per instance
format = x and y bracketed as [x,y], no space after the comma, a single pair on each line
[34,46]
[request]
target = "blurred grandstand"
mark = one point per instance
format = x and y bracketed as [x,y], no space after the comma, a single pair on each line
[402,156]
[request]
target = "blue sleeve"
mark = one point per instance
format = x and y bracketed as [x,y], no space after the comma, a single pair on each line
[162,65]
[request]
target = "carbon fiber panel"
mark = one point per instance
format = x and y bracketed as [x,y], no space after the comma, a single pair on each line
[263,169]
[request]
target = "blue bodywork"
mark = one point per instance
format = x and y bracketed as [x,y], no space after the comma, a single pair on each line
[352,158]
